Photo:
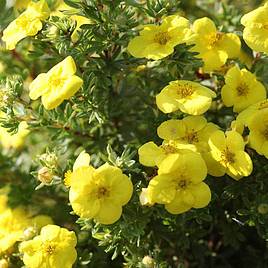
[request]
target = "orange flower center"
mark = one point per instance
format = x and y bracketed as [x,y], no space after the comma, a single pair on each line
[185,90]
[48,248]
[214,39]
[192,137]
[102,192]
[227,157]
[242,89]
[168,149]
[162,38]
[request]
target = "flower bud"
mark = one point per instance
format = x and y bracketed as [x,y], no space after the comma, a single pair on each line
[45,175]
[49,159]
[148,262]
[263,208]
[29,233]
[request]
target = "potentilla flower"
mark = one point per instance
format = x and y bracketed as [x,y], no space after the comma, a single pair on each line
[214,47]
[54,247]
[255,33]
[99,193]
[186,96]
[29,23]
[179,184]
[158,41]
[241,89]
[58,84]
[246,115]
[192,132]
[258,135]
[227,155]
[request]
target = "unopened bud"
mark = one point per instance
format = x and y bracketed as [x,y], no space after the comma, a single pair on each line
[263,208]
[45,175]
[148,262]
[28,234]
[49,159]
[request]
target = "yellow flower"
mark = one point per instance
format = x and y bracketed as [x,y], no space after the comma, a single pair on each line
[192,132]
[255,33]
[227,155]
[258,135]
[179,184]
[54,247]
[58,84]
[27,24]
[16,140]
[186,96]
[241,89]
[214,47]
[99,193]
[158,41]
[246,115]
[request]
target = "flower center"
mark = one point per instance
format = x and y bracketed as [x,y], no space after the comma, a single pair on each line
[102,192]
[227,157]
[183,183]
[162,38]
[48,248]
[214,39]
[265,26]
[168,149]
[242,89]
[192,137]
[185,90]
[55,81]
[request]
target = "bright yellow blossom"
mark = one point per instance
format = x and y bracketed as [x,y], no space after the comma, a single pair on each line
[16,140]
[258,135]
[246,115]
[255,33]
[158,41]
[227,155]
[179,184]
[53,248]
[214,47]
[27,24]
[241,89]
[99,193]
[186,96]
[192,132]
[58,84]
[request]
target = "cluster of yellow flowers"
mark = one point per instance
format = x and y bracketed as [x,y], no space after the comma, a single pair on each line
[54,247]
[193,147]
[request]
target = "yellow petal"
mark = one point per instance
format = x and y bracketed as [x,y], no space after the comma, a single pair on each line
[171,130]
[82,160]
[204,26]
[38,86]
[109,213]
[177,206]
[234,141]
[201,193]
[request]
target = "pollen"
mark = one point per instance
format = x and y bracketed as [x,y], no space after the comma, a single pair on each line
[168,149]
[227,157]
[102,192]
[192,137]
[162,38]
[214,39]
[242,89]
[48,248]
[185,90]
